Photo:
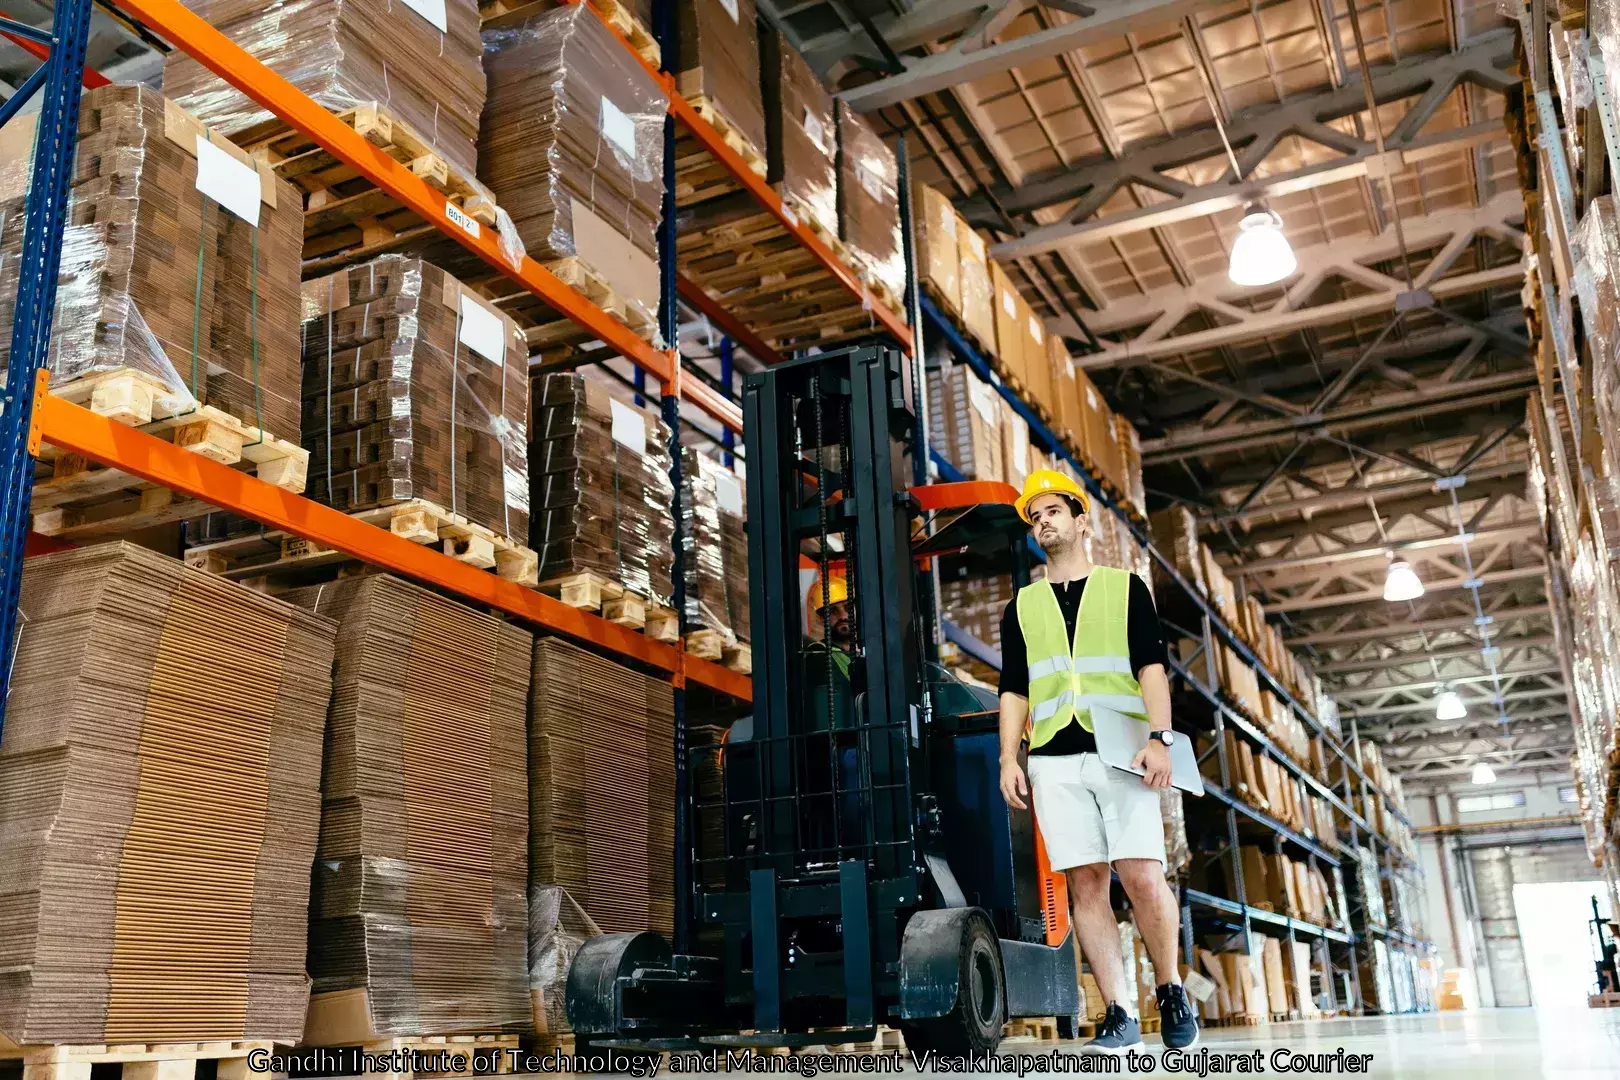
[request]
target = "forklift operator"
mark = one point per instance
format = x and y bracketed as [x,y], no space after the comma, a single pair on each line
[1091,634]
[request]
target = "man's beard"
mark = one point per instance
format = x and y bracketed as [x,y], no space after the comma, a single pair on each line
[1054,543]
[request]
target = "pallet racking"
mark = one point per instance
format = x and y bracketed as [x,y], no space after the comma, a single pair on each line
[32,416]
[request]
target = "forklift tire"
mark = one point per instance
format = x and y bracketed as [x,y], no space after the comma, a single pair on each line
[973,1024]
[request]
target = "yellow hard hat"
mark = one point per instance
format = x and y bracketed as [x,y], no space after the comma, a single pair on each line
[1049,482]
[837,592]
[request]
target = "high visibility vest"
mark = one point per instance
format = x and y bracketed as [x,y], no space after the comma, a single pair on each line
[1067,678]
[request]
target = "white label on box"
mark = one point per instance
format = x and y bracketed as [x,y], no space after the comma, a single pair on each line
[728,493]
[432,11]
[618,128]
[976,242]
[980,395]
[1091,397]
[1008,306]
[1021,450]
[227,181]
[871,178]
[482,331]
[814,128]
[1037,331]
[459,216]
[629,428]
[731,9]
[947,222]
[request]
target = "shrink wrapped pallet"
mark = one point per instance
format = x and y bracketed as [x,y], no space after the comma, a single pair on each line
[719,54]
[1178,855]
[869,201]
[1015,463]
[608,846]
[419,898]
[572,144]
[1175,531]
[1130,456]
[976,604]
[966,421]
[716,555]
[159,804]
[156,276]
[415,388]
[420,64]
[600,497]
[800,134]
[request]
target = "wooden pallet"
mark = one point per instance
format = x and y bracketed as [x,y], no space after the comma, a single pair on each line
[347,218]
[595,592]
[886,1040]
[497,13]
[1604,1001]
[1151,1024]
[1235,1021]
[81,500]
[1042,1028]
[278,557]
[554,338]
[719,646]
[739,143]
[139,1061]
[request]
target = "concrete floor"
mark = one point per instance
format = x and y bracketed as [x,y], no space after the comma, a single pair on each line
[1516,1043]
[1497,1043]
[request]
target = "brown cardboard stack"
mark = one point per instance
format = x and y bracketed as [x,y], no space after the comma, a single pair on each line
[719,58]
[600,494]
[977,288]
[1099,439]
[966,417]
[869,201]
[716,555]
[800,137]
[572,144]
[1276,984]
[1009,321]
[609,846]
[1175,532]
[415,388]
[346,54]
[939,260]
[1015,449]
[1067,422]
[976,604]
[419,899]
[1240,986]
[162,279]
[159,803]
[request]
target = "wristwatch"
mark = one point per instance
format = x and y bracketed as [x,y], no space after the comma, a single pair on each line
[1165,737]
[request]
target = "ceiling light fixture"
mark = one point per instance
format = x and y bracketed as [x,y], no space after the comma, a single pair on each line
[1261,254]
[1449,706]
[1483,774]
[1402,582]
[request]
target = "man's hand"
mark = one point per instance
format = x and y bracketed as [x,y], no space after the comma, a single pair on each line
[1154,757]
[1013,785]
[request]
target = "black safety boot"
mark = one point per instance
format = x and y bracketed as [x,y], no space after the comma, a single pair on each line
[1178,1026]
[1119,1034]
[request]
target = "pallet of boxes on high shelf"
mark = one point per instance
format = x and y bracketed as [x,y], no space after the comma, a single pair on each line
[159,806]
[409,80]
[418,911]
[601,855]
[719,72]
[176,311]
[602,521]
[572,144]
[632,20]
[416,401]
[953,267]
[715,561]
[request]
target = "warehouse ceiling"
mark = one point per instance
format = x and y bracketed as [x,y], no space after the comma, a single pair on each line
[1315,426]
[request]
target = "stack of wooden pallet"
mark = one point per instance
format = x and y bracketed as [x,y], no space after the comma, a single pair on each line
[419,897]
[159,802]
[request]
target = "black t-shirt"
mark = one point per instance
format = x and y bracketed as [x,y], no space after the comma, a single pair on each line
[1142,629]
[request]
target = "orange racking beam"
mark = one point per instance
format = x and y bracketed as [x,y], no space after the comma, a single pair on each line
[236,66]
[727,322]
[80,431]
[767,197]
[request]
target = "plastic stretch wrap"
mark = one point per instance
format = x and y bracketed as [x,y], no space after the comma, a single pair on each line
[965,419]
[800,137]
[159,804]
[973,278]
[601,809]
[719,54]
[1178,855]
[159,278]
[347,54]
[573,147]
[599,487]
[419,893]
[414,388]
[717,546]
[869,200]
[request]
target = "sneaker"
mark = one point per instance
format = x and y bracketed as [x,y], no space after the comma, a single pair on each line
[1120,1033]
[1178,1026]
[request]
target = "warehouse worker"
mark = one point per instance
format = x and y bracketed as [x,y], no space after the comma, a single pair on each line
[835,618]
[1090,632]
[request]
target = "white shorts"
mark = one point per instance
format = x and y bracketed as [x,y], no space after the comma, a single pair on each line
[1089,812]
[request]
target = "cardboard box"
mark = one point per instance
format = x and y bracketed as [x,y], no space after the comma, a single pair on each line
[1245,977]
[1009,308]
[939,263]
[1256,876]
[869,200]
[1015,458]
[1276,984]
[1065,400]
[1300,996]
[977,287]
[719,57]
[1037,365]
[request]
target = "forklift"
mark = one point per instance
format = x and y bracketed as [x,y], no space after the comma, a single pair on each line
[862,868]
